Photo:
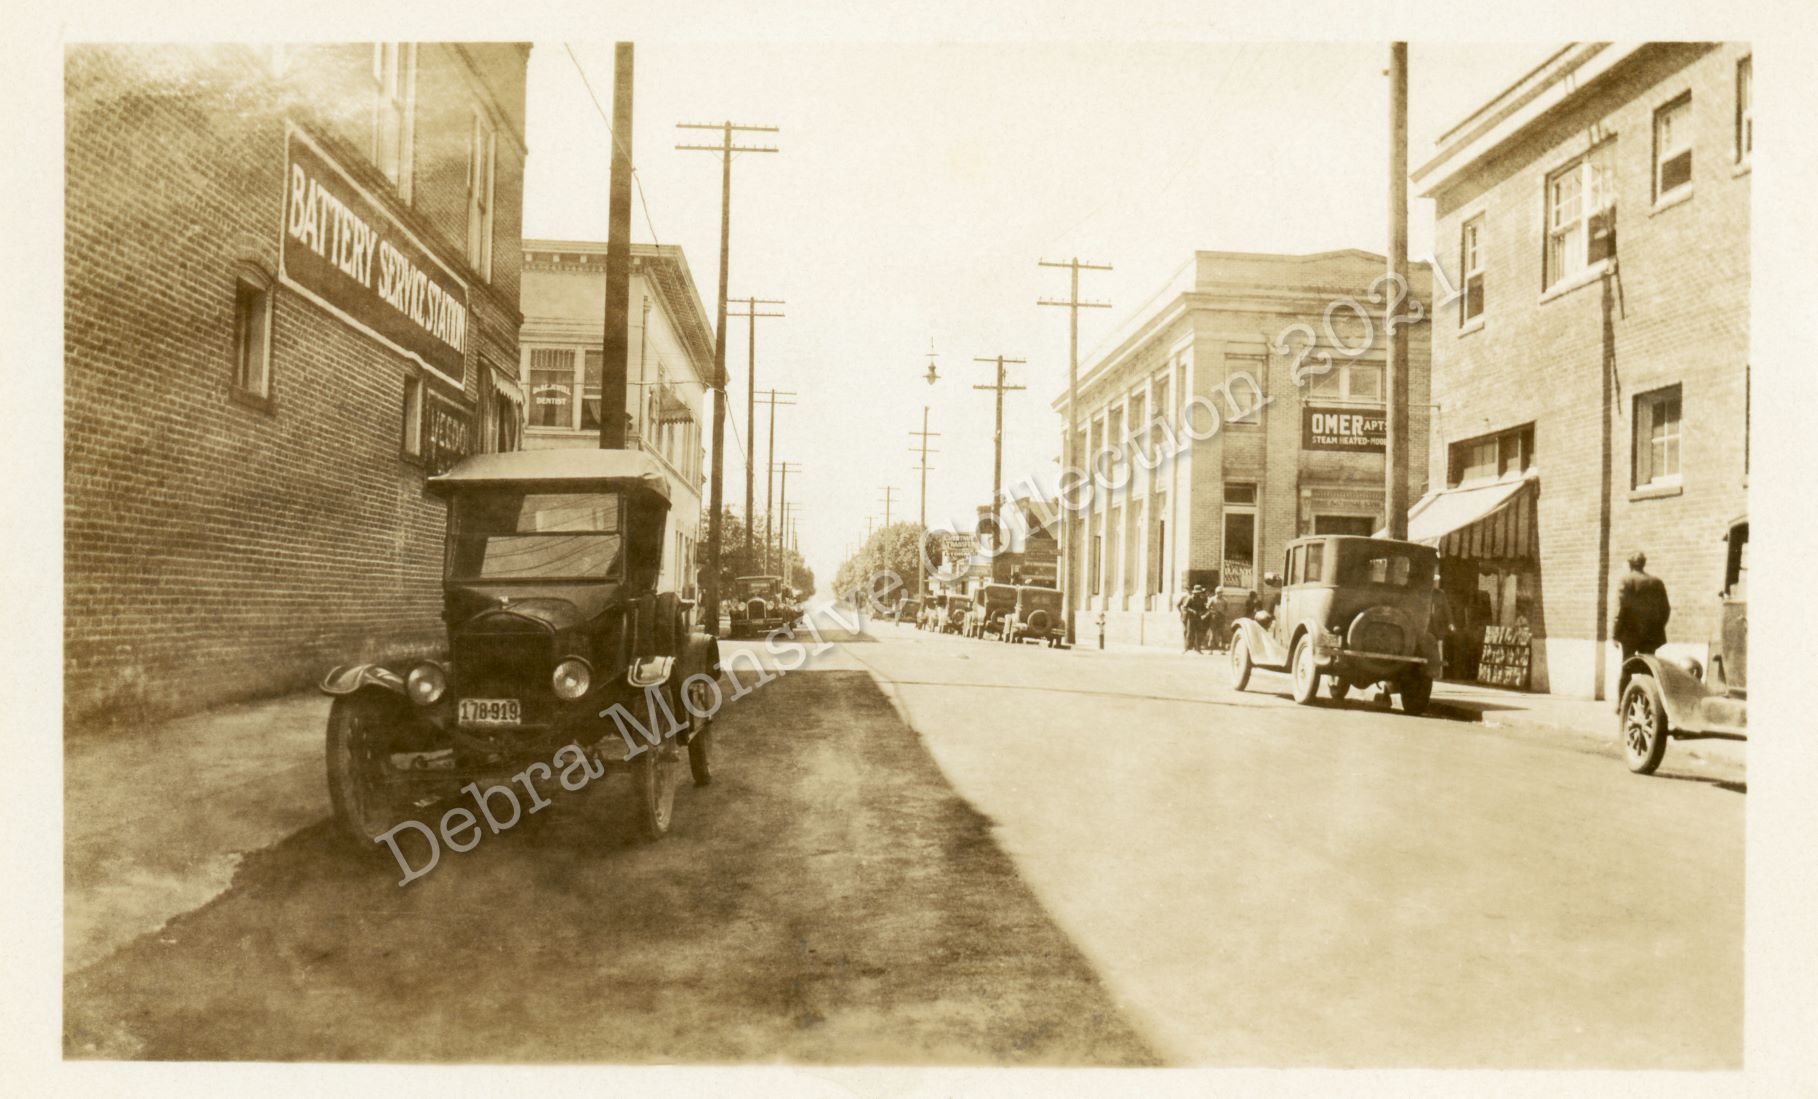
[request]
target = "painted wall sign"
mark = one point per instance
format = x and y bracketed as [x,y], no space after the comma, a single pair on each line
[1343,429]
[447,432]
[343,251]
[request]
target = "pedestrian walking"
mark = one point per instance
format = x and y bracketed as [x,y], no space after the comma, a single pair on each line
[1642,609]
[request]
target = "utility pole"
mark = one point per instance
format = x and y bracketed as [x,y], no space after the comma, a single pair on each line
[784,468]
[1396,503]
[615,341]
[770,398]
[889,491]
[1068,459]
[997,462]
[725,148]
[751,311]
[921,572]
[790,511]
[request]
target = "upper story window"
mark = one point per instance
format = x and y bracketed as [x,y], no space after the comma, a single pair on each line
[1745,109]
[1360,382]
[1581,218]
[482,160]
[1470,261]
[552,387]
[1657,438]
[1672,147]
[393,78]
[1505,454]
[412,443]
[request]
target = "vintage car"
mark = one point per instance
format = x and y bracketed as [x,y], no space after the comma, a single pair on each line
[991,604]
[907,609]
[552,616]
[1352,610]
[760,604]
[1037,616]
[1661,698]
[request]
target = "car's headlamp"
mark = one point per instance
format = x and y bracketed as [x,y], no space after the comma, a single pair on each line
[425,683]
[571,679]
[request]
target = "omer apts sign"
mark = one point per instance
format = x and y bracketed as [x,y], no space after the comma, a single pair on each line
[1343,429]
[342,250]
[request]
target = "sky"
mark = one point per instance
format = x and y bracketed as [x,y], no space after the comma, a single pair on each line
[919,183]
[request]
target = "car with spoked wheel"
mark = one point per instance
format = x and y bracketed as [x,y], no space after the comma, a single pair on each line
[552,617]
[1666,698]
[1352,612]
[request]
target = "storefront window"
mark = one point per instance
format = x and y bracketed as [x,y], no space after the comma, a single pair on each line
[552,387]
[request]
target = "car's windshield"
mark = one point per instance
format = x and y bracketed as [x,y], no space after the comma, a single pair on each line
[760,586]
[507,535]
[1383,564]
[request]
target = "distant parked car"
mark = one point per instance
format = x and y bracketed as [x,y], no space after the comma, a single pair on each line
[1352,610]
[991,604]
[1037,616]
[760,604]
[1662,699]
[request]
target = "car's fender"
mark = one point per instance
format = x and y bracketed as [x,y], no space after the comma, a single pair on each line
[1680,691]
[1264,651]
[349,679]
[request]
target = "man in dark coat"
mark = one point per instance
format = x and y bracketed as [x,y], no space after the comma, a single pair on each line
[1642,610]
[1192,618]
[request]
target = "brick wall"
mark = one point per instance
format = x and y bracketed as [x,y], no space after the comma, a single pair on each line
[1677,313]
[215,550]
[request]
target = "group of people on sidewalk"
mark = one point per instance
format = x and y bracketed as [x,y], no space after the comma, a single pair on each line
[1202,619]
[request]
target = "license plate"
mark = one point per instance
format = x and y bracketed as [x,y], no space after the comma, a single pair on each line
[489,711]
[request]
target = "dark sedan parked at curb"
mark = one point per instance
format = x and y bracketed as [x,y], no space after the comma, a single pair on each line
[991,607]
[760,604]
[553,617]
[1037,616]
[1353,611]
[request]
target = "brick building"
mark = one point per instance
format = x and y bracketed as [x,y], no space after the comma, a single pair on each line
[668,369]
[291,294]
[1298,450]
[1594,218]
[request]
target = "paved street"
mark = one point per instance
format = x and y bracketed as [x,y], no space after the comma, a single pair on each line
[1083,857]
[1269,884]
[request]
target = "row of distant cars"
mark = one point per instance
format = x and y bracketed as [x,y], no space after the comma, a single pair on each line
[1011,613]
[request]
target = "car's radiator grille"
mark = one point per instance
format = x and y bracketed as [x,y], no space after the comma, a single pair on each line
[504,665]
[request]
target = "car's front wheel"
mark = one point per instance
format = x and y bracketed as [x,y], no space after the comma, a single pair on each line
[700,734]
[1305,672]
[653,781]
[1644,725]
[362,786]
[1241,665]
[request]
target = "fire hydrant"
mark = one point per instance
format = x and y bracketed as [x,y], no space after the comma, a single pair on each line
[1101,629]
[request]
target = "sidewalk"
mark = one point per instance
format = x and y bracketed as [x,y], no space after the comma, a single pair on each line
[155,821]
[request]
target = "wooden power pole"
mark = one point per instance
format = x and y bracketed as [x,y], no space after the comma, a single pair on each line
[615,342]
[997,461]
[770,398]
[751,311]
[1396,502]
[1068,459]
[716,493]
[921,571]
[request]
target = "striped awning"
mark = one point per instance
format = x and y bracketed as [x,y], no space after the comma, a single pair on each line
[1486,522]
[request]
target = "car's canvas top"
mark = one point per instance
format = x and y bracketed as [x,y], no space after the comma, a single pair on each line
[576,465]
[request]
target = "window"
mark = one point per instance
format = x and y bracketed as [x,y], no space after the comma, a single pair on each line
[1470,304]
[1507,454]
[393,73]
[252,337]
[1239,565]
[413,416]
[536,536]
[481,165]
[1315,570]
[552,387]
[1240,494]
[592,362]
[1361,382]
[1581,218]
[1672,147]
[1745,109]
[1657,438]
